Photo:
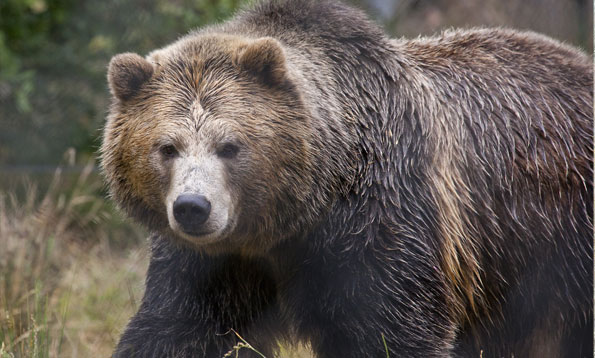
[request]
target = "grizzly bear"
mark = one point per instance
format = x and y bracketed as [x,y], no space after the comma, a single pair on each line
[309,180]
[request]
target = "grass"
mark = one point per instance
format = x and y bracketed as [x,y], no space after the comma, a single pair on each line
[71,270]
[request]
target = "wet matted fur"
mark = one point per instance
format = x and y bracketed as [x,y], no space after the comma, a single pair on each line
[431,194]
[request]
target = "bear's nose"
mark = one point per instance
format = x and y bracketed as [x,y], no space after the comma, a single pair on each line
[191,211]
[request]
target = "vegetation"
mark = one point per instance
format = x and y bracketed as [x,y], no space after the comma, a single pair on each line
[66,288]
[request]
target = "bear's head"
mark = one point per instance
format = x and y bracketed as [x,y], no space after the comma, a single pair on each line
[208,141]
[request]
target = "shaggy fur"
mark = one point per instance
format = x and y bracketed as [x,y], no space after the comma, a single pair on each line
[431,194]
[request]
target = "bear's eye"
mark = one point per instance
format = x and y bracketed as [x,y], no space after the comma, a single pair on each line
[228,151]
[168,151]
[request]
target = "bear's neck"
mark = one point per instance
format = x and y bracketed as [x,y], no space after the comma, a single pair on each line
[372,134]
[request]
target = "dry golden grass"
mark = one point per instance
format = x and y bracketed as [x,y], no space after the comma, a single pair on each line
[65,290]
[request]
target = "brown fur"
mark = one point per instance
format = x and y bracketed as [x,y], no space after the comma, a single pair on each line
[263,59]
[453,194]
[271,185]
[437,189]
[128,72]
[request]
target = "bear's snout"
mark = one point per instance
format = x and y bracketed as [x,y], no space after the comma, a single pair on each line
[191,211]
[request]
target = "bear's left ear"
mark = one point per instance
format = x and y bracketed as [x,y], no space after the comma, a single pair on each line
[263,59]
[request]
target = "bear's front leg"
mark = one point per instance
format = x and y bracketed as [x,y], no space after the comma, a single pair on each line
[193,302]
[367,304]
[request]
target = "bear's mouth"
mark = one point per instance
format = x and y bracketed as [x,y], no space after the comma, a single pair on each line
[197,233]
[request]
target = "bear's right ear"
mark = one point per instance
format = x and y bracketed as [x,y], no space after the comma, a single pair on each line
[264,59]
[127,73]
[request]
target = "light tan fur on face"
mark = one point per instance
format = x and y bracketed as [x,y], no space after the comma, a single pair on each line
[196,111]
[197,171]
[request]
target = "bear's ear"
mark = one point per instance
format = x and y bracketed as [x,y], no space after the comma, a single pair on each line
[264,59]
[127,73]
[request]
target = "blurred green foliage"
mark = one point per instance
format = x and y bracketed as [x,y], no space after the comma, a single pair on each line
[53,58]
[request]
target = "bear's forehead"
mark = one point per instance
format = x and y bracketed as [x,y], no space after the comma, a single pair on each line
[195,85]
[194,72]
[193,102]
